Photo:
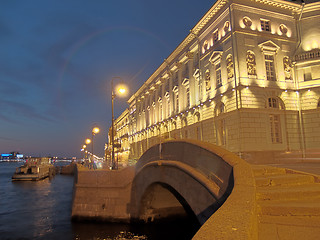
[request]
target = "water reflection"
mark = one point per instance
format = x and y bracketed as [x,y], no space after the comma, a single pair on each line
[42,210]
[176,229]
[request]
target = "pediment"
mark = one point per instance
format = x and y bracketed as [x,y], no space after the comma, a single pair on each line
[216,55]
[175,89]
[185,82]
[269,46]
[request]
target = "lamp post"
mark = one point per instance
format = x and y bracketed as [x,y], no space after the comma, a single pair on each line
[95,130]
[88,141]
[83,149]
[121,90]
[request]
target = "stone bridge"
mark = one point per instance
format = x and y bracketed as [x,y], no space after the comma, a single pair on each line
[176,174]
[169,180]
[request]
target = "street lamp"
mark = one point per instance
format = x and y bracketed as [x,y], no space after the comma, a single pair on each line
[95,131]
[84,150]
[121,90]
[87,141]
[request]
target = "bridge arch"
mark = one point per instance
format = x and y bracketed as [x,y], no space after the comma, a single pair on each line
[161,200]
[179,175]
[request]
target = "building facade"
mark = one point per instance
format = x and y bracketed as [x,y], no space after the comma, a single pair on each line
[247,78]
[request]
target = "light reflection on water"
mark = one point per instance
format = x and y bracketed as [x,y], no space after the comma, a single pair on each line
[42,210]
[34,209]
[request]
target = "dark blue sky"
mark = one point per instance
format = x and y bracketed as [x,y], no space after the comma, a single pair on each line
[57,58]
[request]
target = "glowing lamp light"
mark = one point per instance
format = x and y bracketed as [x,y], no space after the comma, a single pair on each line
[121,90]
[95,130]
[88,141]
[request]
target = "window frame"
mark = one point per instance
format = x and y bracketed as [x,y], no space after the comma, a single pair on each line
[217,67]
[269,63]
[265,25]
[275,128]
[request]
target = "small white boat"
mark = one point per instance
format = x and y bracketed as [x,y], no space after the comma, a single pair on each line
[34,169]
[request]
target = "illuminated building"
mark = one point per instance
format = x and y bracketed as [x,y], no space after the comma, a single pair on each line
[247,78]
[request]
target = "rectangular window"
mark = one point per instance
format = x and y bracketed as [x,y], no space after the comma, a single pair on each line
[168,107]
[177,103]
[218,75]
[270,72]
[275,128]
[147,118]
[216,36]
[265,25]
[166,88]
[185,72]
[307,74]
[188,96]
[160,111]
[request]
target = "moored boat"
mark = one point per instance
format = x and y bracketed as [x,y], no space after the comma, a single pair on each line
[34,169]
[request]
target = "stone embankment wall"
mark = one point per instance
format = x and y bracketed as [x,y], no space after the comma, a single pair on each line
[102,194]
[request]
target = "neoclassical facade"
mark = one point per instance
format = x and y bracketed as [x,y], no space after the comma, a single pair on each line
[247,78]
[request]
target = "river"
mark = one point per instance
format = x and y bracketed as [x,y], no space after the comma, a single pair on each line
[42,210]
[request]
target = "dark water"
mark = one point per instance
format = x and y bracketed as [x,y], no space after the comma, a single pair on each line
[42,210]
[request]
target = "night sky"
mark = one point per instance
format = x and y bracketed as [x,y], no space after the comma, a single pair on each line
[57,59]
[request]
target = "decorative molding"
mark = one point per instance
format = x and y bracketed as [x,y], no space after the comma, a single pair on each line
[282,4]
[189,55]
[185,82]
[269,46]
[178,65]
[215,56]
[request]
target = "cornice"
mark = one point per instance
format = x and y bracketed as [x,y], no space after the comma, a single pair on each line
[311,7]
[268,13]
[282,4]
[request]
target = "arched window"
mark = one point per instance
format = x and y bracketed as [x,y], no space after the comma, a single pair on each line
[196,117]
[220,108]
[184,122]
[174,125]
[274,102]
[251,63]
